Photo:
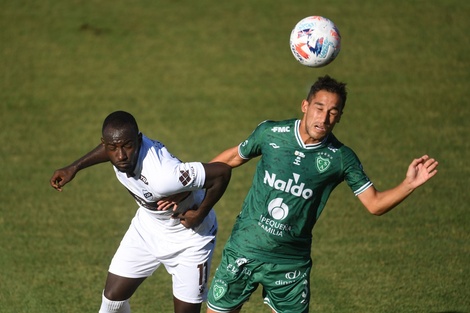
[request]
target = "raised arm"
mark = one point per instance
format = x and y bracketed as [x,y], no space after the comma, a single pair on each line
[64,175]
[419,172]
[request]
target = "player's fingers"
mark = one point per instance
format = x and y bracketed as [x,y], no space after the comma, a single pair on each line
[420,160]
[432,166]
[163,205]
[430,162]
[185,223]
[55,183]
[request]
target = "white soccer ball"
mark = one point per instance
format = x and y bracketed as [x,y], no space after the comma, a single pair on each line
[315,41]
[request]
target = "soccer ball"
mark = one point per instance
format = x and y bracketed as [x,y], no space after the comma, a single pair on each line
[315,41]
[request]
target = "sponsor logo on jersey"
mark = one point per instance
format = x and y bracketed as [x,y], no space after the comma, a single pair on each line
[270,225]
[278,209]
[144,179]
[291,186]
[281,129]
[291,277]
[241,261]
[239,266]
[274,145]
[298,157]
[332,148]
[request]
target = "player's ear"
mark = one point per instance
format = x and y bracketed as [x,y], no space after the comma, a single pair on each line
[304,105]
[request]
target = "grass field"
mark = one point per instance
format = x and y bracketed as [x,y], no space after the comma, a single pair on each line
[199,76]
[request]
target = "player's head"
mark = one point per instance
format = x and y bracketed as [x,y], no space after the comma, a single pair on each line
[331,85]
[322,109]
[121,139]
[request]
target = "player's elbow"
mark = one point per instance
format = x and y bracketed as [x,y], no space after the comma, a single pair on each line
[224,172]
[376,210]
[227,173]
[377,213]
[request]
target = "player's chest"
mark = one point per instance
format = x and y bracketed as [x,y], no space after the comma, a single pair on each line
[150,186]
[312,165]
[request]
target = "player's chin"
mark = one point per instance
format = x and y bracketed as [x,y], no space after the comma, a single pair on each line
[124,168]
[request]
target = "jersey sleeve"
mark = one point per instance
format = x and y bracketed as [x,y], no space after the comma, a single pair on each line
[186,176]
[191,175]
[355,176]
[251,147]
[177,176]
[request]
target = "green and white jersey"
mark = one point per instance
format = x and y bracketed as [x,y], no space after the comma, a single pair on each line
[290,188]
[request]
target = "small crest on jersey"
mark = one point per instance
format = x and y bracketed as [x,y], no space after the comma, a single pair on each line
[219,290]
[322,164]
[147,194]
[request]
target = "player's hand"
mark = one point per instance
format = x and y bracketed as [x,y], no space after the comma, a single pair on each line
[421,170]
[62,176]
[191,218]
[171,202]
[165,204]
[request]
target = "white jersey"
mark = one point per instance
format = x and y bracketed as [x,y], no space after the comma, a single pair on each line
[159,174]
[154,238]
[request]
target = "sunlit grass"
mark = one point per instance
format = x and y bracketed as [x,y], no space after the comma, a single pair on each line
[199,76]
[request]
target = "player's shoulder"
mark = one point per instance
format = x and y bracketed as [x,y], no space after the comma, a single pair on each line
[146,141]
[276,126]
[152,148]
[335,144]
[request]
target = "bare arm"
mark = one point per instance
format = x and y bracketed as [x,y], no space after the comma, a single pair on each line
[230,157]
[64,175]
[419,172]
[217,179]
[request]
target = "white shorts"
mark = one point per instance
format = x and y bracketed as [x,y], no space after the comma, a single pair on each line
[152,240]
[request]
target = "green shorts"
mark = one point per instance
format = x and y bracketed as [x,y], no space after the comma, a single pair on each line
[286,287]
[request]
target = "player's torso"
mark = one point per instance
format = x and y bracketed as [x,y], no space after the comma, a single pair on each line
[155,177]
[291,185]
[295,174]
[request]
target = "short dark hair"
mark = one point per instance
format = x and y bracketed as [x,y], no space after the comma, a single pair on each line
[120,119]
[331,85]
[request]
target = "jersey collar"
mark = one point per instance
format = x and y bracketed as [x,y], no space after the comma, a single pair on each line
[309,146]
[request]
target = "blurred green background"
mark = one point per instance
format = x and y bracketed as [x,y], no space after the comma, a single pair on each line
[199,76]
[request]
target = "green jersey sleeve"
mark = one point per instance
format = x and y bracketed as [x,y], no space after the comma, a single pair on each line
[251,147]
[354,173]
